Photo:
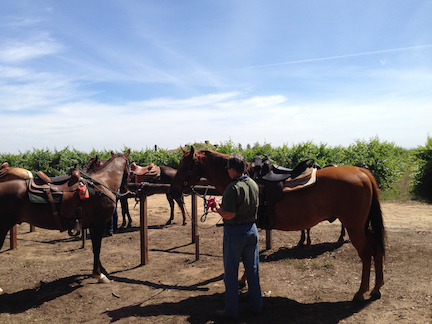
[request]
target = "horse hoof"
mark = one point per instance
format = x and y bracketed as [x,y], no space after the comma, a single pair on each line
[102,278]
[129,225]
[375,295]
[358,298]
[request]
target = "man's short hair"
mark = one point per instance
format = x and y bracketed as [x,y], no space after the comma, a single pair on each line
[237,162]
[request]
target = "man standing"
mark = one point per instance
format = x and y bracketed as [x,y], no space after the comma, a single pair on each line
[239,210]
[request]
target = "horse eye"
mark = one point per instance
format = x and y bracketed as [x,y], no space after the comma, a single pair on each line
[190,172]
[185,183]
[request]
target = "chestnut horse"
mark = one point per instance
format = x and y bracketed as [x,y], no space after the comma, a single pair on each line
[348,193]
[16,207]
[166,177]
[95,163]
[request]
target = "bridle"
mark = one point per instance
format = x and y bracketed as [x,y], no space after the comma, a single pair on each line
[194,173]
[93,181]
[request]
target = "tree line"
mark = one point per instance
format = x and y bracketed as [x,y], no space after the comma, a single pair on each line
[387,161]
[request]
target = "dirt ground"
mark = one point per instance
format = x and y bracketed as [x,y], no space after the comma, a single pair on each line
[48,278]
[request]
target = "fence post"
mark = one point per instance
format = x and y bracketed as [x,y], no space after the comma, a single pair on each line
[13,237]
[195,236]
[268,239]
[143,229]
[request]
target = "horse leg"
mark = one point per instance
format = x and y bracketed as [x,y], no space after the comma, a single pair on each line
[125,212]
[123,208]
[171,203]
[180,202]
[303,238]
[126,206]
[99,272]
[378,263]
[342,234]
[364,250]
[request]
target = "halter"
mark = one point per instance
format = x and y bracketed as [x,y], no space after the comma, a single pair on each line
[198,173]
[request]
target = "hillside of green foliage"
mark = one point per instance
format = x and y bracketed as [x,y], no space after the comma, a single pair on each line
[396,169]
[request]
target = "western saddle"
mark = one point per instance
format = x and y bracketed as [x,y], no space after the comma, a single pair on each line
[62,190]
[4,169]
[149,173]
[274,181]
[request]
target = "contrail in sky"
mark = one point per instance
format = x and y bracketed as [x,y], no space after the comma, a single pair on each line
[339,56]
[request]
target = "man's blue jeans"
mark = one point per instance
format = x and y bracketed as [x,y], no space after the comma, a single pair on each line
[241,242]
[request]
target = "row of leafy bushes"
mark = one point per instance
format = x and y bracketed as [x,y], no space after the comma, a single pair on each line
[422,174]
[385,160]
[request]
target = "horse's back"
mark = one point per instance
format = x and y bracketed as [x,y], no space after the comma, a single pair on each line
[342,192]
[167,174]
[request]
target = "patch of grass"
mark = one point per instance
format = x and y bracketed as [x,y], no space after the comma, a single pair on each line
[328,265]
[302,265]
[288,260]
[29,264]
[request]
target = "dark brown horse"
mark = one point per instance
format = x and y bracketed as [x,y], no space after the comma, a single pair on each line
[16,207]
[167,174]
[348,193]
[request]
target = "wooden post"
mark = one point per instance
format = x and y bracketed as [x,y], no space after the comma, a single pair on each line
[32,228]
[268,239]
[143,229]
[84,236]
[13,237]
[195,236]
[194,217]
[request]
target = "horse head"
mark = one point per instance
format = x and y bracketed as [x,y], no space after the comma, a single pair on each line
[189,172]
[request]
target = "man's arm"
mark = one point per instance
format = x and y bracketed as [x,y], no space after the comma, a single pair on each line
[225,214]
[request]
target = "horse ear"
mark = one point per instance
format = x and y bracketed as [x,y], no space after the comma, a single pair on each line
[127,153]
[192,151]
[112,153]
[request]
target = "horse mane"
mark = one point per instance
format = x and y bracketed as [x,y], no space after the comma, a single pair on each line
[218,160]
[105,163]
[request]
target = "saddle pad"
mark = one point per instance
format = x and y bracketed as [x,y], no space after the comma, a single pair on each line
[300,182]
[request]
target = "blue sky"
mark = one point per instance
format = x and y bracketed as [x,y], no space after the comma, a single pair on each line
[108,74]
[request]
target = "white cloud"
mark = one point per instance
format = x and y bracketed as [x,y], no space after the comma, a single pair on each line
[13,51]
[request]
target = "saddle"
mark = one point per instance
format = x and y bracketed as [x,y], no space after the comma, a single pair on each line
[60,192]
[274,181]
[148,173]
[4,169]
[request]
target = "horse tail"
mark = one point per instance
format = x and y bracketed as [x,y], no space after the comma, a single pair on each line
[375,224]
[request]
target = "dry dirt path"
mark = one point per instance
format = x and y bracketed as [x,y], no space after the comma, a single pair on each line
[47,279]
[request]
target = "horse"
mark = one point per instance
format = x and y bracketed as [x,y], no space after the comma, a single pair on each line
[95,163]
[94,211]
[167,174]
[348,193]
